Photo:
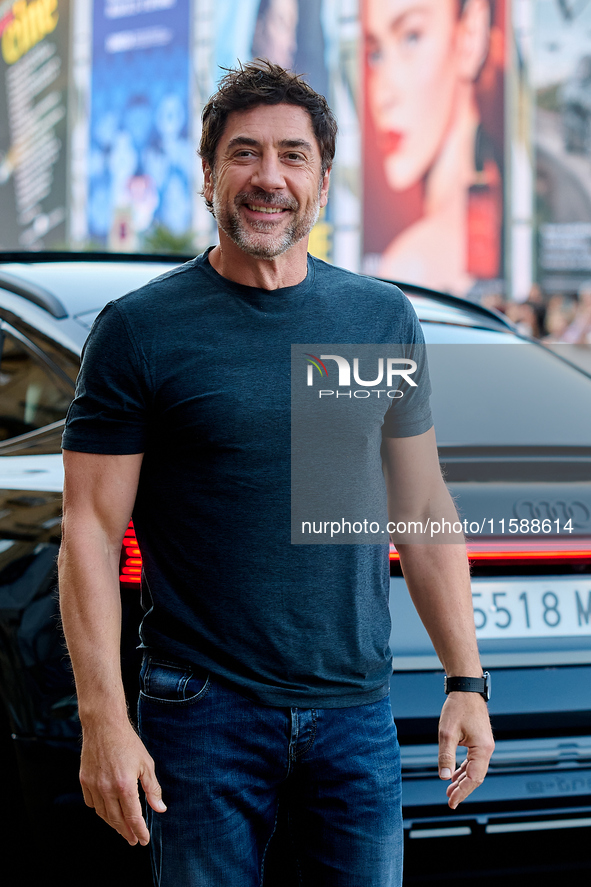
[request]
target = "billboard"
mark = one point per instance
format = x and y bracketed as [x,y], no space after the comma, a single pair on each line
[140,170]
[33,121]
[433,142]
[562,87]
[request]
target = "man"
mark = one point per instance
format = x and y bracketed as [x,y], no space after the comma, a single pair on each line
[266,664]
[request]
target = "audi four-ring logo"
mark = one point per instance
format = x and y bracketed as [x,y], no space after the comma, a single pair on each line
[553,509]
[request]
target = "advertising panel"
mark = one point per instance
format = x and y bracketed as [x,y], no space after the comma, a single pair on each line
[141,159]
[33,131]
[289,33]
[433,142]
[562,83]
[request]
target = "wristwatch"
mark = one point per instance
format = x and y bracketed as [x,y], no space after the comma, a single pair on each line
[469,685]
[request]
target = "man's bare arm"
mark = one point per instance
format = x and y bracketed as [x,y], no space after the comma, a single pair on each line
[438,580]
[99,494]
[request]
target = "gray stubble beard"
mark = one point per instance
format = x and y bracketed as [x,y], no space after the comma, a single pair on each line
[231,224]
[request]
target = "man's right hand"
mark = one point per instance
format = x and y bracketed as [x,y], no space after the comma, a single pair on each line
[113,760]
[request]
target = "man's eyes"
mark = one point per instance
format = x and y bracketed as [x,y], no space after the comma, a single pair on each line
[290,156]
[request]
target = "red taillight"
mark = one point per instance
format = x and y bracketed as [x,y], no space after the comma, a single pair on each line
[131,558]
[532,550]
[524,551]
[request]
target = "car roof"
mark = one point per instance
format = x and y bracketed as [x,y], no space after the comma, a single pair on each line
[436,307]
[68,285]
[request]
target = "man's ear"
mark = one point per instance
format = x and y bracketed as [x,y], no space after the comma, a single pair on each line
[207,181]
[473,38]
[324,187]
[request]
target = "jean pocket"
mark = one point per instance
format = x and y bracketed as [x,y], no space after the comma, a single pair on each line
[165,681]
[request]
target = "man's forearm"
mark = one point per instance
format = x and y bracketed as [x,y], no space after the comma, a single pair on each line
[438,580]
[436,568]
[99,492]
[91,616]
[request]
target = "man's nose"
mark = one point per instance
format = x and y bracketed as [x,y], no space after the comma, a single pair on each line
[268,174]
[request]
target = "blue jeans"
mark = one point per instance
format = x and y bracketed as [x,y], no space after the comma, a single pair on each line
[224,762]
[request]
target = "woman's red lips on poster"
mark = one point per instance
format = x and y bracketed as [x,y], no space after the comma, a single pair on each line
[389,141]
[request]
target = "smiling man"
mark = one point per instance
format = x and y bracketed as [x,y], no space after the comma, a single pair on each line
[266,665]
[265,185]
[276,205]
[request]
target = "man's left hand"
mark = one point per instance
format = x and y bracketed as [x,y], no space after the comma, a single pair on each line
[464,721]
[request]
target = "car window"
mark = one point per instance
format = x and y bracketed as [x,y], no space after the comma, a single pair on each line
[30,395]
[494,389]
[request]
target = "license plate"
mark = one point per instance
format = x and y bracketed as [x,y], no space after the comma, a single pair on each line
[532,608]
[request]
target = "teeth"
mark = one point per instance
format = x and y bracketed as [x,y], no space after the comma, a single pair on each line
[265,209]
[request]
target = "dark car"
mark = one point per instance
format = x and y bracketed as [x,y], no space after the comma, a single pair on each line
[513,422]
[513,425]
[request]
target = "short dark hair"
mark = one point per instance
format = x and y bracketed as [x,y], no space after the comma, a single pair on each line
[263,83]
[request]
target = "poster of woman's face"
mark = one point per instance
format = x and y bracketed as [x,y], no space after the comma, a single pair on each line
[433,141]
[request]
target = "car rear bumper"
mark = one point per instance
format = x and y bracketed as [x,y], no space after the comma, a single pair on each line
[532,785]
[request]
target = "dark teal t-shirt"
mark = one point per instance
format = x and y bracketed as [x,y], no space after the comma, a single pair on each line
[193,370]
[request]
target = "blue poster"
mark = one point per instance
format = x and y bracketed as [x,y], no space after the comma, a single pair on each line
[141,159]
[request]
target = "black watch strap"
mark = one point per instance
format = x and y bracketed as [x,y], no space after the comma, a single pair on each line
[469,685]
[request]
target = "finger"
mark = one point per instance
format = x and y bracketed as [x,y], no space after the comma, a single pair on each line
[152,790]
[447,754]
[120,808]
[458,776]
[110,815]
[131,809]
[87,794]
[468,777]
[109,811]
[114,816]
[125,818]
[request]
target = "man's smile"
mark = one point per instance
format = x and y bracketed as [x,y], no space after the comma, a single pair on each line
[265,209]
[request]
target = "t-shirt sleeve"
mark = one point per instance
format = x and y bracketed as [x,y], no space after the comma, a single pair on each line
[410,414]
[109,412]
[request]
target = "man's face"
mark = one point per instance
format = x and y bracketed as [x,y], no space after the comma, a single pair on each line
[267,187]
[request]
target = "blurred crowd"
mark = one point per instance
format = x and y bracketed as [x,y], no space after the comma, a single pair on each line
[552,319]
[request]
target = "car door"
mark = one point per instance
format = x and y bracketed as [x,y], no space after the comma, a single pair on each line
[36,689]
